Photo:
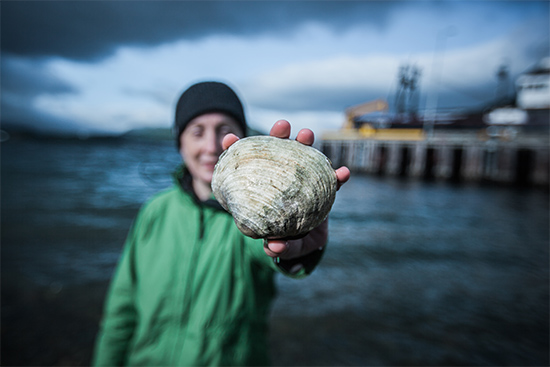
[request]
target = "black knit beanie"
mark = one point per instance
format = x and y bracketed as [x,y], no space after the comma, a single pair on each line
[207,97]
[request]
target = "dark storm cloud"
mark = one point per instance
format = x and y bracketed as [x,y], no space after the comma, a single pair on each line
[25,78]
[84,30]
[22,81]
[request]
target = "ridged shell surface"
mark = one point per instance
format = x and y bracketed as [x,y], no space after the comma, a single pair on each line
[274,188]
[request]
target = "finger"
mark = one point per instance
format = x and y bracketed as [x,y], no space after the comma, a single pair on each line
[229,140]
[306,136]
[274,248]
[281,129]
[342,175]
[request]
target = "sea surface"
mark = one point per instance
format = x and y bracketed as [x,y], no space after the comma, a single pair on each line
[415,272]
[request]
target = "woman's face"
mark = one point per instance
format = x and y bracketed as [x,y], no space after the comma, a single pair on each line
[201,143]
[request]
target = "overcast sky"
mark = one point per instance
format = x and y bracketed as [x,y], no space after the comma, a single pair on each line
[109,66]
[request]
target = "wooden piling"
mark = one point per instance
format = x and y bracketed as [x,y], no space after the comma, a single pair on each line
[522,161]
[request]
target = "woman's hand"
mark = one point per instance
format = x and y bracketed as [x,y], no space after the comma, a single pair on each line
[316,238]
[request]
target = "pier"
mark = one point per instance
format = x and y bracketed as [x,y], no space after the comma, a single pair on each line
[454,156]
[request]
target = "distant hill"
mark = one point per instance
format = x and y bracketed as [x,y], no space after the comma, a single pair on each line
[167,134]
[156,133]
[149,133]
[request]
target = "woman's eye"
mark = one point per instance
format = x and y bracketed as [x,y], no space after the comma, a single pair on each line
[196,133]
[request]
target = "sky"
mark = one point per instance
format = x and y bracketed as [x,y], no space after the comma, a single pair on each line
[106,67]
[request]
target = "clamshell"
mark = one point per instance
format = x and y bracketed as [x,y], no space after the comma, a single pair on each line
[274,188]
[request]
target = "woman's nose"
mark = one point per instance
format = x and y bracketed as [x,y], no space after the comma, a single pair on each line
[213,144]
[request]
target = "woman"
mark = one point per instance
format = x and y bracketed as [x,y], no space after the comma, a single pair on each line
[190,288]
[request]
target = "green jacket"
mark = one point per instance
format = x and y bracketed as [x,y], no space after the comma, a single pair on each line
[189,289]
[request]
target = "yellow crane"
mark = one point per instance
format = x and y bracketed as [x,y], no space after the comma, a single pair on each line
[353,113]
[372,130]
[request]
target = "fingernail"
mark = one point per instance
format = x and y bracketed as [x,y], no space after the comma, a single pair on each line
[277,246]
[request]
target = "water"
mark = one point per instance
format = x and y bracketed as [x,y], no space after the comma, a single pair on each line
[414,273]
[67,205]
[423,273]
[428,240]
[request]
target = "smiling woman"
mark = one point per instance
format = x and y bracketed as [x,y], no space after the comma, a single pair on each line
[183,245]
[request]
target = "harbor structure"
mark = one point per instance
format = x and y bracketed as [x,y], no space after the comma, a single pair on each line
[506,144]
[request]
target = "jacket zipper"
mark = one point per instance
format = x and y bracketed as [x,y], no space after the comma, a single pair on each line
[201,222]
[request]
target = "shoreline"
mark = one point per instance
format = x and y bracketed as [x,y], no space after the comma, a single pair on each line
[57,326]
[49,326]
